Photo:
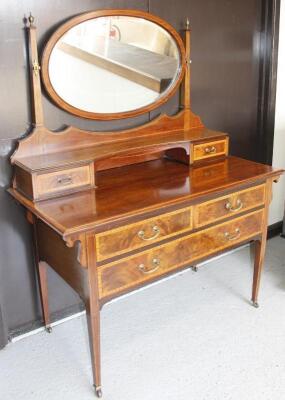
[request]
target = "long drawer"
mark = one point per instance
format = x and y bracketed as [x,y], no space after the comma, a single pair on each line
[138,269]
[117,241]
[228,206]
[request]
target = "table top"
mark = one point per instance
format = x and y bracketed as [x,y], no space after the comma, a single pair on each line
[128,192]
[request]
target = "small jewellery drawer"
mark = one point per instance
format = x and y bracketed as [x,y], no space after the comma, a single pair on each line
[210,149]
[135,270]
[140,234]
[52,183]
[226,206]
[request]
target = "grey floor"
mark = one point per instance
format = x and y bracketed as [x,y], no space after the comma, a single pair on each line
[194,336]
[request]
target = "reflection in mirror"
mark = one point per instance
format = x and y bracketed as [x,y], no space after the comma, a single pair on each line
[114,64]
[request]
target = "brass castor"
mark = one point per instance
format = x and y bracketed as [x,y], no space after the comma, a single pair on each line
[49,329]
[98,391]
[194,268]
[255,304]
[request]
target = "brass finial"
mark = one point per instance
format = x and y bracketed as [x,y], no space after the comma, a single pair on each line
[36,67]
[31,19]
[187,24]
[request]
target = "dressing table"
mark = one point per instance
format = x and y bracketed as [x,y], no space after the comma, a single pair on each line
[115,211]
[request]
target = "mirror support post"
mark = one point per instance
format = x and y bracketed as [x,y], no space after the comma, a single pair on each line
[185,89]
[34,70]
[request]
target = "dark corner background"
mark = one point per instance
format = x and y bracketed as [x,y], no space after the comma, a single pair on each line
[233,90]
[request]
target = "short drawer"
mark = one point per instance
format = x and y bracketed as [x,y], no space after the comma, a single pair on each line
[226,206]
[141,268]
[210,149]
[140,234]
[51,183]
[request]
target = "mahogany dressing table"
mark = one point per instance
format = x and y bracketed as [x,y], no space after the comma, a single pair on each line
[114,211]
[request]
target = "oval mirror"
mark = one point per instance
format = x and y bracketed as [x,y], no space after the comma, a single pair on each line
[112,64]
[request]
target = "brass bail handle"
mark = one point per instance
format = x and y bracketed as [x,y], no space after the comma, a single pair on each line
[233,236]
[229,206]
[64,179]
[210,150]
[156,231]
[156,264]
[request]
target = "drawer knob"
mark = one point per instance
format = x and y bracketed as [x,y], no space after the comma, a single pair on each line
[64,180]
[230,207]
[232,236]
[156,231]
[155,263]
[210,150]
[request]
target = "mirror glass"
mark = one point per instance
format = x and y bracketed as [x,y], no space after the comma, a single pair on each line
[114,64]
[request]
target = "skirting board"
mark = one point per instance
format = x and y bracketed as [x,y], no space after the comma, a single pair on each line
[274,229]
[37,325]
[3,331]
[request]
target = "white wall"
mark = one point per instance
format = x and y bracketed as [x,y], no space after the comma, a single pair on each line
[277,205]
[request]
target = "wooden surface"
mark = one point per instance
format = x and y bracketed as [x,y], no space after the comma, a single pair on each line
[145,187]
[260,246]
[34,73]
[60,181]
[185,94]
[48,168]
[140,234]
[53,250]
[120,275]
[240,201]
[210,149]
[43,150]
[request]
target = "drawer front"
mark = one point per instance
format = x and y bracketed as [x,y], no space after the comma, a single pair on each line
[138,269]
[226,206]
[64,180]
[210,149]
[127,238]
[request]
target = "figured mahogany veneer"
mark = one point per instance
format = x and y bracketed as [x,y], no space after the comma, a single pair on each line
[137,269]
[236,203]
[134,236]
[167,195]
[130,237]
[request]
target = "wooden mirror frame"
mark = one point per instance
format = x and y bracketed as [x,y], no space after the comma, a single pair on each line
[106,13]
